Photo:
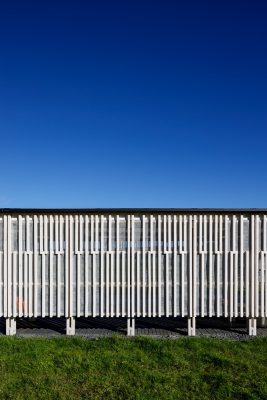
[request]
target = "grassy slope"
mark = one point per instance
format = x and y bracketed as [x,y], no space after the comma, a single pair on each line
[141,368]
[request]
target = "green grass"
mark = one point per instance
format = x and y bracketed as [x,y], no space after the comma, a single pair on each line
[141,368]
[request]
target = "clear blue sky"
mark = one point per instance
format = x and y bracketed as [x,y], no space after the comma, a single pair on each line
[133,103]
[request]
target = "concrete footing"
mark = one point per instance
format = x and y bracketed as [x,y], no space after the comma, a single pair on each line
[252,326]
[70,326]
[191,326]
[10,326]
[130,327]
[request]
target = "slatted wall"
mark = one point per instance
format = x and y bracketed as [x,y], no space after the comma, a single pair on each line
[133,265]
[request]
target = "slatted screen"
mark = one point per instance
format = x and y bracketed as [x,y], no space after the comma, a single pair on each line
[133,265]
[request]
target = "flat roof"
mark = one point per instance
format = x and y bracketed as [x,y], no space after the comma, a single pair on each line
[133,210]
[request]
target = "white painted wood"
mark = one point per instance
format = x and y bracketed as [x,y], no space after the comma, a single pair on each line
[161,276]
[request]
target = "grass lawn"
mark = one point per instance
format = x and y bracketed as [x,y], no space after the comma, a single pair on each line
[140,368]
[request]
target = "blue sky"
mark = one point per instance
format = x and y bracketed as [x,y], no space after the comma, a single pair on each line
[133,103]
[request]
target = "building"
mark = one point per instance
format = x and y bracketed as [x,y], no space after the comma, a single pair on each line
[133,263]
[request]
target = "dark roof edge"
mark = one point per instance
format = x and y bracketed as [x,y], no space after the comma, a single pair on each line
[132,210]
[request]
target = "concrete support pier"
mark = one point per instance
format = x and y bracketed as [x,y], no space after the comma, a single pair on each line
[70,326]
[130,327]
[191,326]
[10,326]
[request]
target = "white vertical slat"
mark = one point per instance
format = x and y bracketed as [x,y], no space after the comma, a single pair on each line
[235,266]
[78,227]
[20,301]
[45,234]
[202,239]
[221,234]
[102,266]
[78,285]
[42,249]
[231,285]
[164,234]
[111,269]
[132,268]
[257,228]
[117,266]
[217,257]
[108,269]
[128,265]
[29,281]
[159,265]
[107,283]
[226,285]
[169,234]
[219,267]
[30,312]
[236,284]
[190,269]
[262,311]
[252,302]
[151,261]
[166,259]
[5,256]
[194,267]
[123,256]
[59,263]
[180,234]
[67,281]
[210,266]
[200,234]
[241,266]
[144,265]
[216,234]
[94,262]
[71,250]
[45,255]
[184,249]
[205,278]
[9,266]
[152,248]
[174,265]
[138,278]
[25,286]
[14,301]
[149,284]
[154,302]
[56,226]
[51,262]
[76,231]
[170,258]
[112,304]
[56,254]
[78,265]
[86,255]
[247,263]
[58,286]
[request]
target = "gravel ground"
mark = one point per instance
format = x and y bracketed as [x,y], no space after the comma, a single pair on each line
[171,328]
